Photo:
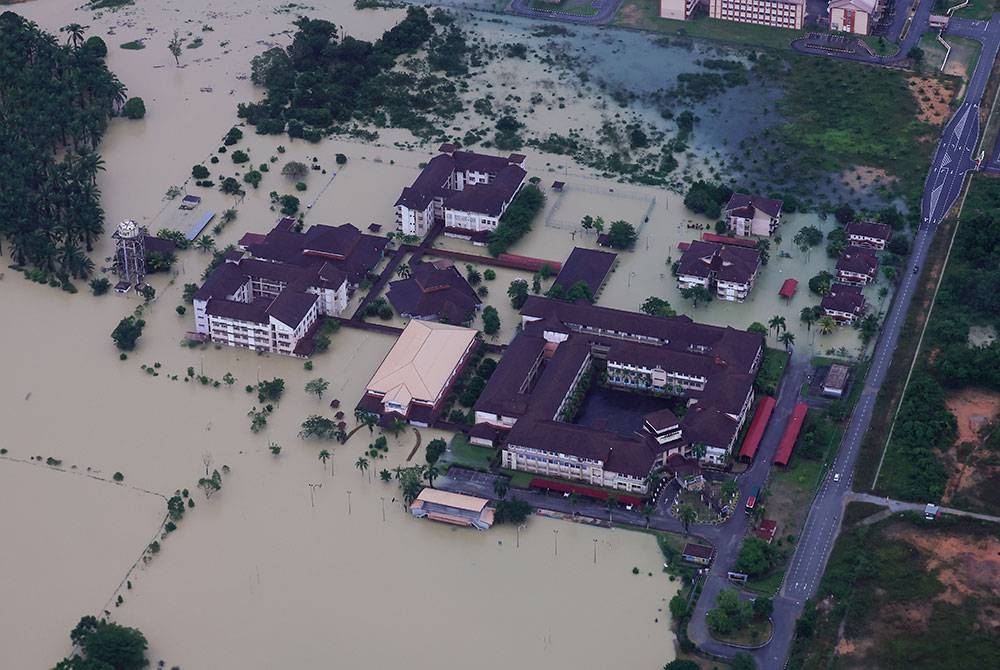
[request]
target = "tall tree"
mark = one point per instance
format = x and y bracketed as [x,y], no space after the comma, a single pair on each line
[174,47]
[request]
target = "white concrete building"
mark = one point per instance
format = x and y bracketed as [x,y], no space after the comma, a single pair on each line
[752,215]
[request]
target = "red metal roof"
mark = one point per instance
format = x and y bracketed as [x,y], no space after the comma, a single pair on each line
[726,239]
[767,530]
[683,246]
[787,443]
[788,288]
[586,491]
[757,426]
[529,263]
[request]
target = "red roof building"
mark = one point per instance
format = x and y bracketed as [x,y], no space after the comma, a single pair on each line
[726,239]
[789,288]
[767,530]
[760,418]
[787,443]
[583,491]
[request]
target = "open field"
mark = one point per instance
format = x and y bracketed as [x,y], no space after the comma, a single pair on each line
[70,536]
[906,593]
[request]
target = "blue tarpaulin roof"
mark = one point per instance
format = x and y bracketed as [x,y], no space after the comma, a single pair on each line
[200,226]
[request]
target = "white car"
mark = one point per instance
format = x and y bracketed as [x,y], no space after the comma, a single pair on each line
[836,477]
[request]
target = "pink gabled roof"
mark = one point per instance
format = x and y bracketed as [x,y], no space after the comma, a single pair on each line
[788,288]
[760,418]
[791,434]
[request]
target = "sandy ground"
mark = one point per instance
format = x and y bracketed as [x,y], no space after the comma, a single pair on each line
[975,411]
[933,97]
[257,561]
[968,565]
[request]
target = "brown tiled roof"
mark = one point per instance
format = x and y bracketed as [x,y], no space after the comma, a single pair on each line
[290,307]
[721,261]
[698,551]
[878,231]
[254,312]
[661,419]
[489,199]
[343,247]
[844,298]
[431,291]
[859,260]
[742,200]
[587,265]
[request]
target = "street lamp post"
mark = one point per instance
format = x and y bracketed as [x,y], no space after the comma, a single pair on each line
[555,540]
[595,551]
[382,499]
[312,491]
[517,536]
[348,503]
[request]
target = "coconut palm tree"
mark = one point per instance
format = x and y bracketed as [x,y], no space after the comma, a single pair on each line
[787,339]
[362,464]
[687,515]
[827,325]
[777,323]
[206,243]
[324,456]
[74,34]
[403,271]
[808,317]
[430,474]
[500,488]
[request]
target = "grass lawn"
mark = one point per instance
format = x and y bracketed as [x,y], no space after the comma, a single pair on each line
[469,455]
[752,634]
[772,369]
[519,480]
[645,15]
[881,46]
[978,9]
[857,511]
[766,586]
[801,473]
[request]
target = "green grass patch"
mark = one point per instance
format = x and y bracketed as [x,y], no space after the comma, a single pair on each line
[881,46]
[766,586]
[801,473]
[645,15]
[470,456]
[772,369]
[755,632]
[977,9]
[519,480]
[134,45]
[858,511]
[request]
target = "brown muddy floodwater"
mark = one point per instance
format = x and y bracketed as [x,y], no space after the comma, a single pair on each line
[257,577]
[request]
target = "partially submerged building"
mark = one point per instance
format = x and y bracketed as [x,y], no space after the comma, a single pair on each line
[589,266]
[728,271]
[867,234]
[845,303]
[454,508]
[836,381]
[857,265]
[270,293]
[434,292]
[529,402]
[752,215]
[417,373]
[466,191]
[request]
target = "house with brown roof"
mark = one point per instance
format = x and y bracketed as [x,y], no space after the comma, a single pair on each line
[728,271]
[698,553]
[466,191]
[270,293]
[708,369]
[752,215]
[590,266]
[857,265]
[867,234]
[434,292]
[845,303]
[417,373]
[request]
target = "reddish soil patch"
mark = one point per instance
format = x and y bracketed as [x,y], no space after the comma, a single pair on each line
[971,408]
[975,410]
[934,98]
[967,565]
[865,176]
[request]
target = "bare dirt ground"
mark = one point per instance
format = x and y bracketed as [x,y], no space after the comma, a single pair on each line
[864,177]
[934,98]
[975,411]
[968,565]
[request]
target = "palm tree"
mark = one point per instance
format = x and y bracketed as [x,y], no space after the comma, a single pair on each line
[396,425]
[729,488]
[370,420]
[403,271]
[827,325]
[787,339]
[206,243]
[698,450]
[687,515]
[362,465]
[74,33]
[500,488]
[431,473]
[229,215]
[324,456]
[777,323]
[359,415]
[647,511]
[808,317]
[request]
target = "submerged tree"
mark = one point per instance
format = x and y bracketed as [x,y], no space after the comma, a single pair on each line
[174,47]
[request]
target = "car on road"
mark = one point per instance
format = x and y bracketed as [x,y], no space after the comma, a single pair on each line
[836,477]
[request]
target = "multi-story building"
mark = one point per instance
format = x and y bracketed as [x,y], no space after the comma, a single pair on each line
[727,270]
[531,398]
[680,10]
[466,191]
[867,234]
[270,294]
[752,215]
[854,16]
[857,265]
[775,13]
[434,292]
[845,303]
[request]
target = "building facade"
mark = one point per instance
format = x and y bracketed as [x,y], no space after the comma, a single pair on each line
[679,10]
[775,13]
[853,16]
[728,271]
[857,265]
[867,234]
[752,215]
[466,191]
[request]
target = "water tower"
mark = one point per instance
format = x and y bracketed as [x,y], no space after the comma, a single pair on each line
[130,254]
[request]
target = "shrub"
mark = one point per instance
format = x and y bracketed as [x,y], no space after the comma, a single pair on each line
[300,186]
[200,172]
[181,310]
[240,156]
[134,108]
[489,274]
[118,477]
[341,159]
[100,286]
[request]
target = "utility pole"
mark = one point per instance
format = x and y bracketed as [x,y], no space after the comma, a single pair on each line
[555,540]
[312,491]
[348,503]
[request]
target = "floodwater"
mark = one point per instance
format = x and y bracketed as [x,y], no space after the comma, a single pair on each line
[262,575]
